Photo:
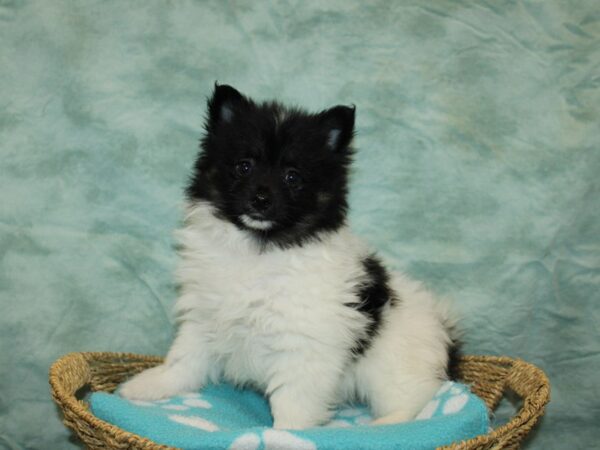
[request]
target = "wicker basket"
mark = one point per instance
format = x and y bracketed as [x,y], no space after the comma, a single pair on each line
[490,377]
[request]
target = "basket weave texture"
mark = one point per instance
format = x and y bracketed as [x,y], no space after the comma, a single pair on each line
[490,377]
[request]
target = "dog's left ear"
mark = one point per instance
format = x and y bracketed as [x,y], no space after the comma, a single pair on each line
[338,123]
[223,104]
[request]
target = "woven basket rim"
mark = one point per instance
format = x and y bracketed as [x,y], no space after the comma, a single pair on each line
[527,380]
[535,396]
[79,408]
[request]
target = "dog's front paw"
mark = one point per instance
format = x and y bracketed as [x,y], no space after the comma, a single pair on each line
[152,384]
[297,414]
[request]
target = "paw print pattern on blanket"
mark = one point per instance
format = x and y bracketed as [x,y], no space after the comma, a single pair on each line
[351,417]
[185,402]
[273,440]
[221,416]
[450,399]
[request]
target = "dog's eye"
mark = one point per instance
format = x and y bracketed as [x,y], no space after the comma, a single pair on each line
[293,178]
[244,167]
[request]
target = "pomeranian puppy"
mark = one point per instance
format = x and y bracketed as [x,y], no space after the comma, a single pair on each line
[276,292]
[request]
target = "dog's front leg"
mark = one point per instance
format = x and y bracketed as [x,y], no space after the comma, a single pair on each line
[303,391]
[185,369]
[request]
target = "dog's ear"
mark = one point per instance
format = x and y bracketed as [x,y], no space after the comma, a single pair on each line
[338,125]
[223,105]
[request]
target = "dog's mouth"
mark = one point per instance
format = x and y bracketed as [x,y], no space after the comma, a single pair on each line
[256,222]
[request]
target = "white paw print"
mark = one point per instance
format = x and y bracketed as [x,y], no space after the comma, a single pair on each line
[194,421]
[451,397]
[444,388]
[273,440]
[175,407]
[455,404]
[429,410]
[197,403]
[248,441]
[191,400]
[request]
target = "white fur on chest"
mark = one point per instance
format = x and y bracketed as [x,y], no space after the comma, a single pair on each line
[282,321]
[256,307]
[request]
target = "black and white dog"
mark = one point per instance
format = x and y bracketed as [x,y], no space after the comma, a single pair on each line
[277,293]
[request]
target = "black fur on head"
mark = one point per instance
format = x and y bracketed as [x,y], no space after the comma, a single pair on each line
[278,173]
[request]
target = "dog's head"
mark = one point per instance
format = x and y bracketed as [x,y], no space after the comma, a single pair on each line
[278,173]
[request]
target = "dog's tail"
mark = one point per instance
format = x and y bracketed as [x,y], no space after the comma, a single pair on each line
[450,322]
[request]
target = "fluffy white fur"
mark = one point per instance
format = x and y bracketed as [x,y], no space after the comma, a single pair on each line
[276,320]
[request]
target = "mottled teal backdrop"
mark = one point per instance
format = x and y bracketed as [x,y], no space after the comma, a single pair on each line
[478,170]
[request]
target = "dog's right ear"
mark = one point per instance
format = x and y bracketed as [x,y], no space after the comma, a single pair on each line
[338,124]
[223,105]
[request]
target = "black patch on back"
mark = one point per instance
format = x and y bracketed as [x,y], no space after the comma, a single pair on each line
[373,294]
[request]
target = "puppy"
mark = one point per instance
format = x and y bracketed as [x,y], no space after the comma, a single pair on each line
[276,292]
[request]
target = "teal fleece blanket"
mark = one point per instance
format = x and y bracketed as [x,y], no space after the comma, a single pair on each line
[477,171]
[222,417]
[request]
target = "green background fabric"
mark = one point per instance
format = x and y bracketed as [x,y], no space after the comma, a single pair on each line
[477,171]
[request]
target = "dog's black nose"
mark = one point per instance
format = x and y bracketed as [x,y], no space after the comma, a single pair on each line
[261,202]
